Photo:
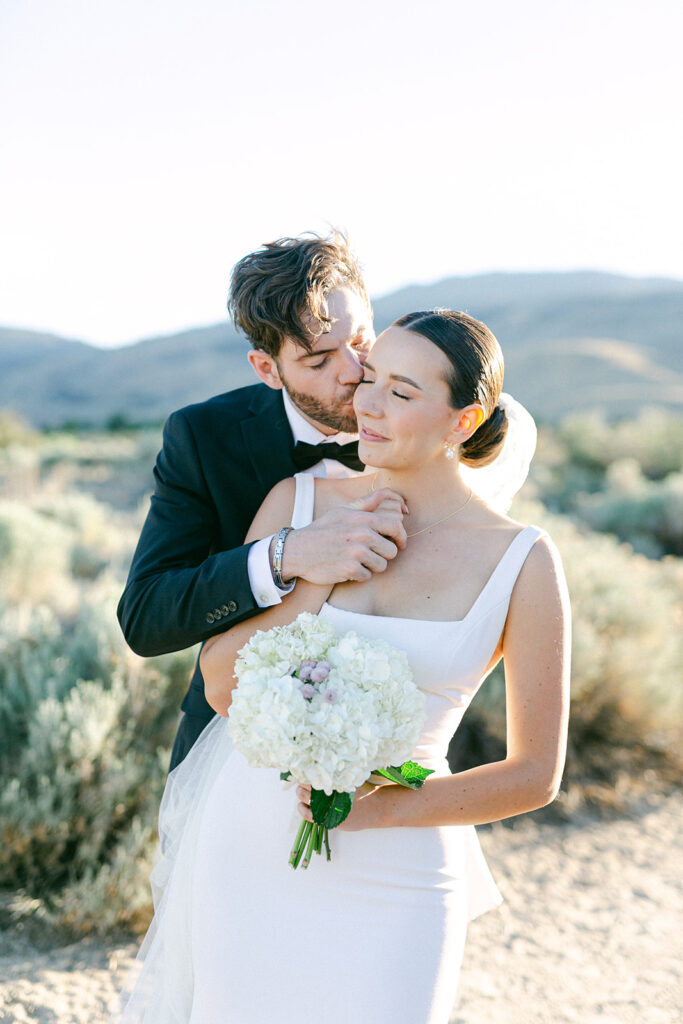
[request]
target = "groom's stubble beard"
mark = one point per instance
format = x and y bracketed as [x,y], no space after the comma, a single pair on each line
[335,416]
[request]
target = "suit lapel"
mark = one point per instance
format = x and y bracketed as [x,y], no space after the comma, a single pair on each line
[268,438]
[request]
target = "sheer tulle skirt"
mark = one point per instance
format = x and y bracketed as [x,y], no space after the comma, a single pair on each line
[160,987]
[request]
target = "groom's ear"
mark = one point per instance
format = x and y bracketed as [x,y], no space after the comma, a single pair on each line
[265,367]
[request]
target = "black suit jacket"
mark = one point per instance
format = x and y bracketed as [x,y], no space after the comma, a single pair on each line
[189,580]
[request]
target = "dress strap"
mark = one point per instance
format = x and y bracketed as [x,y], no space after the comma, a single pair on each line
[304,500]
[500,583]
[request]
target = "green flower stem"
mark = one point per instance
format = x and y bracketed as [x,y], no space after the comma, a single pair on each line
[310,846]
[309,840]
[299,843]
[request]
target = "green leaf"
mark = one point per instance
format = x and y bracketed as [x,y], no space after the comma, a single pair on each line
[285,776]
[330,810]
[390,773]
[410,774]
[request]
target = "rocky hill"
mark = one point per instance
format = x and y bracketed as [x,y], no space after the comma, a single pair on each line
[572,340]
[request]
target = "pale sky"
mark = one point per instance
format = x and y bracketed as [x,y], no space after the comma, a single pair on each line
[146,145]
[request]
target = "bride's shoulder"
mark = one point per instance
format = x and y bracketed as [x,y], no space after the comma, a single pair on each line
[338,490]
[542,569]
[276,509]
[281,495]
[494,522]
[543,553]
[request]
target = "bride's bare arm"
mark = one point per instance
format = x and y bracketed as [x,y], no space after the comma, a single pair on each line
[217,659]
[536,650]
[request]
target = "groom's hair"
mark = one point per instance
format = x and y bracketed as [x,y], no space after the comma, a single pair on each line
[280,291]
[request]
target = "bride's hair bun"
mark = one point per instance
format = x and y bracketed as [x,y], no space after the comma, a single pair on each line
[477,369]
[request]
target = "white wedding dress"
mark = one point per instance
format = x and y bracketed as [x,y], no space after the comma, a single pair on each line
[373,937]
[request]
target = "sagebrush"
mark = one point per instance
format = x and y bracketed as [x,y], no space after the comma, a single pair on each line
[86,726]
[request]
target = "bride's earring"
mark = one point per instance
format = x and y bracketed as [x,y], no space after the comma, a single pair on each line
[450,449]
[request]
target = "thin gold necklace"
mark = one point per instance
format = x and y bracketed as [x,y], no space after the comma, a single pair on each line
[432,525]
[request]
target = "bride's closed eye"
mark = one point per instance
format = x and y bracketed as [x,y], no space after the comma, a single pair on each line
[406,398]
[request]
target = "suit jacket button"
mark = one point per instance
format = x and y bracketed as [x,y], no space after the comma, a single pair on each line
[217,613]
[209,618]
[225,609]
[232,606]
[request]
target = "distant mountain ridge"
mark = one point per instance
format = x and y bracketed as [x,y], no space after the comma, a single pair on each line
[573,340]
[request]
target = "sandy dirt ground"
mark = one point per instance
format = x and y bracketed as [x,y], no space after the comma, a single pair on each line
[590,932]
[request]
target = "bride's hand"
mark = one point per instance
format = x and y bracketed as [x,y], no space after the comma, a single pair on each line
[364,813]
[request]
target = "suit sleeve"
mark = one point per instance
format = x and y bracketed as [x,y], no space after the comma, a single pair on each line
[180,591]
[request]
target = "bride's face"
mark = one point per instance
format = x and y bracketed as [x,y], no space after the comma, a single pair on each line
[402,404]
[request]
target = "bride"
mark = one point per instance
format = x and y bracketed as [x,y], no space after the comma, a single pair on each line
[375,936]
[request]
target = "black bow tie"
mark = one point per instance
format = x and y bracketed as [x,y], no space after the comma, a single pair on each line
[306,455]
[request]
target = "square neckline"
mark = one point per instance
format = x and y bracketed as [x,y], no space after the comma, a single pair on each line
[477,601]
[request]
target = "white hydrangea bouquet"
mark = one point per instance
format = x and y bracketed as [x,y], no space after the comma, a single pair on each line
[328,711]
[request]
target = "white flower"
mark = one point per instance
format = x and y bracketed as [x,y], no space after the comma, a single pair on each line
[367,716]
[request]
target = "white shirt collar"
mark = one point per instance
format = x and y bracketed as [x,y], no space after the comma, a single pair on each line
[305,431]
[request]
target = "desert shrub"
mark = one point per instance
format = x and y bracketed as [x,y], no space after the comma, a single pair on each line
[101,537]
[114,468]
[50,541]
[93,447]
[100,452]
[113,893]
[85,725]
[33,666]
[654,438]
[622,478]
[648,514]
[43,655]
[86,729]
[35,555]
[14,430]
[626,699]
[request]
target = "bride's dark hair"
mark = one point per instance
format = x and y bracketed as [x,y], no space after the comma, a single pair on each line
[477,368]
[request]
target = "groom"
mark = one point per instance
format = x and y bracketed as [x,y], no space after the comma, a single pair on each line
[302,302]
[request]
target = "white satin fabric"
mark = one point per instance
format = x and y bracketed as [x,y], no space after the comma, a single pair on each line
[374,936]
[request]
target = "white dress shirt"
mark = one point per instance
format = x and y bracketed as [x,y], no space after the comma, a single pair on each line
[261,581]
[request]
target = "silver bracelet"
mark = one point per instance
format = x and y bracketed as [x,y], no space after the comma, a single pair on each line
[276,567]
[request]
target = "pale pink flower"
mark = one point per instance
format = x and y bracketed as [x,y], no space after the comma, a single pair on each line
[320,672]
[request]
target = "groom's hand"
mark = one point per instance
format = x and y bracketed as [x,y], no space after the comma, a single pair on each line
[349,542]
